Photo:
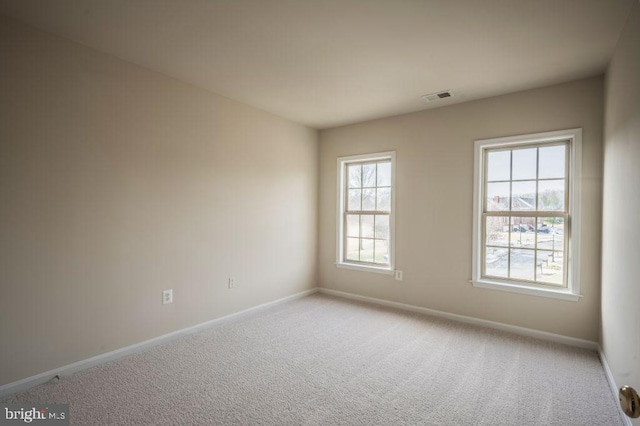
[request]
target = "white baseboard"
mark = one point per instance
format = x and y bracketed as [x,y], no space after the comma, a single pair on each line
[24,384]
[571,341]
[612,383]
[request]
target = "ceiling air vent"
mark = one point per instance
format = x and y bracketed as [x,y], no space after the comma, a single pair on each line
[438,96]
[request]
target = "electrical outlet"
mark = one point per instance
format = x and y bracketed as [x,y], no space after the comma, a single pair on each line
[167,296]
[232,282]
[399,275]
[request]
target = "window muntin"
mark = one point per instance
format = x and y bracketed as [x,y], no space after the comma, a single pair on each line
[365,235]
[524,213]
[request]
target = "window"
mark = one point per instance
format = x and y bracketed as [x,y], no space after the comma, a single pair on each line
[526,214]
[366,212]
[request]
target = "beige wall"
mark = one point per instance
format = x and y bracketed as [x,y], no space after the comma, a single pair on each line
[116,183]
[434,204]
[621,225]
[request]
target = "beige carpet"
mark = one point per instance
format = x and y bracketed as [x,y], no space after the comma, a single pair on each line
[324,360]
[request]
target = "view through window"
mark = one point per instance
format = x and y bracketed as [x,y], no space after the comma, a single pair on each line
[525,212]
[367,213]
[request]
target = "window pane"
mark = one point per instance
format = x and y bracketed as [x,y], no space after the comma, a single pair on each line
[366,226]
[353,225]
[353,204]
[524,164]
[496,262]
[498,165]
[366,250]
[551,195]
[522,264]
[384,174]
[497,229]
[368,199]
[353,249]
[382,252]
[355,175]
[550,267]
[552,162]
[383,202]
[522,232]
[497,196]
[382,227]
[369,175]
[523,196]
[551,233]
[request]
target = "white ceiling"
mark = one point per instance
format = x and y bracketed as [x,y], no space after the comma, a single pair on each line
[326,63]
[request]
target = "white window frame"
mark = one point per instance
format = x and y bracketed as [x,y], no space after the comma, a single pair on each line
[340,261]
[572,291]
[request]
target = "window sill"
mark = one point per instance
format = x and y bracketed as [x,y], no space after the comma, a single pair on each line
[562,294]
[385,271]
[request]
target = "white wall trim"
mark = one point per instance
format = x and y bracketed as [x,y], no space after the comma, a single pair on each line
[373,269]
[558,338]
[24,384]
[562,294]
[612,384]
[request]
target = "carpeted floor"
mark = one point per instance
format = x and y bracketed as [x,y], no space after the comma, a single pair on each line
[325,360]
